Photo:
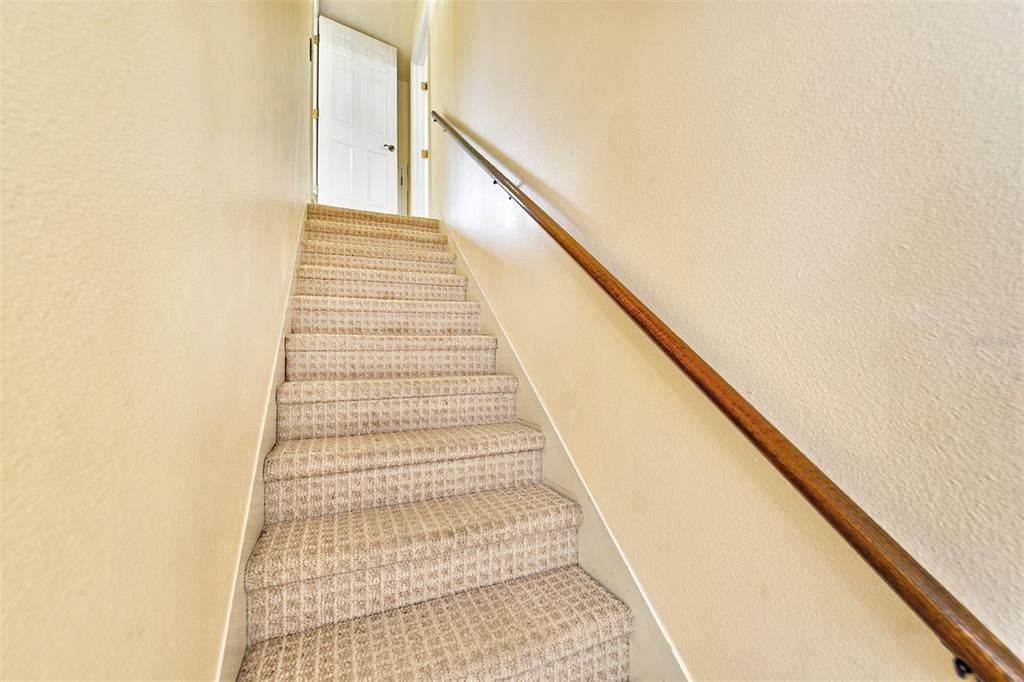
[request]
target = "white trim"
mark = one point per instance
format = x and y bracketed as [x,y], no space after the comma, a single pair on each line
[419,139]
[419,115]
[235,623]
[314,98]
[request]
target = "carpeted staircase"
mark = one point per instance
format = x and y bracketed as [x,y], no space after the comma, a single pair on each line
[408,532]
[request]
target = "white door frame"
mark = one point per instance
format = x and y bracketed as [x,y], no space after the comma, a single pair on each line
[419,116]
[314,95]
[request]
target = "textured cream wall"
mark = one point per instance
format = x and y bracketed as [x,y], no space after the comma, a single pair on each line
[824,200]
[155,165]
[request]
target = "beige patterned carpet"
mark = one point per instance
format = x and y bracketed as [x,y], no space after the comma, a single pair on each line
[408,533]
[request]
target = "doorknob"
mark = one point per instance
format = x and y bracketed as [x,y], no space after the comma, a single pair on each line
[389,147]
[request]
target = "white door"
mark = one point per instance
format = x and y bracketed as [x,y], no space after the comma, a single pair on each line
[357,128]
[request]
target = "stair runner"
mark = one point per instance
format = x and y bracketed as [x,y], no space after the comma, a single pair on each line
[408,531]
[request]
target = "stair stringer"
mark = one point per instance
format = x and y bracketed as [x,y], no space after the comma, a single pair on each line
[651,655]
[234,639]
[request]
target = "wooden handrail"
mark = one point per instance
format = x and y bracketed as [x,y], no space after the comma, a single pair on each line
[970,641]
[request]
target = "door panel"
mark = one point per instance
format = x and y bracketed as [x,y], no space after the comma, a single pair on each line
[342,100]
[377,103]
[358,123]
[376,179]
[343,162]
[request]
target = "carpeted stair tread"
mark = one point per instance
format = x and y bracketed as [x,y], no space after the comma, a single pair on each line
[382,389]
[314,409]
[372,356]
[322,456]
[342,220]
[337,315]
[376,275]
[382,305]
[305,549]
[531,628]
[370,249]
[326,212]
[384,290]
[301,498]
[377,242]
[369,342]
[379,284]
[414,236]
[369,263]
[285,609]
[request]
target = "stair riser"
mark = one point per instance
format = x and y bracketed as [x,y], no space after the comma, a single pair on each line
[326,457]
[375,242]
[388,251]
[349,418]
[410,237]
[382,290]
[334,220]
[385,264]
[402,222]
[300,606]
[607,661]
[337,493]
[373,275]
[319,365]
[340,322]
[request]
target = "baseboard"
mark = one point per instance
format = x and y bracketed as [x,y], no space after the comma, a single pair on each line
[651,654]
[234,640]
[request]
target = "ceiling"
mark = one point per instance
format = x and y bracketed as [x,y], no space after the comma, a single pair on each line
[392,22]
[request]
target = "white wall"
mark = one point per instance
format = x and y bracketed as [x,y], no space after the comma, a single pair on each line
[155,166]
[824,200]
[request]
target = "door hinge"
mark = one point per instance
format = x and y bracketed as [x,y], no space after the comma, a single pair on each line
[424,153]
[315,39]
[424,86]
[316,113]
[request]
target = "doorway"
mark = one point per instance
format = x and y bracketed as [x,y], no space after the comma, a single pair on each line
[357,120]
